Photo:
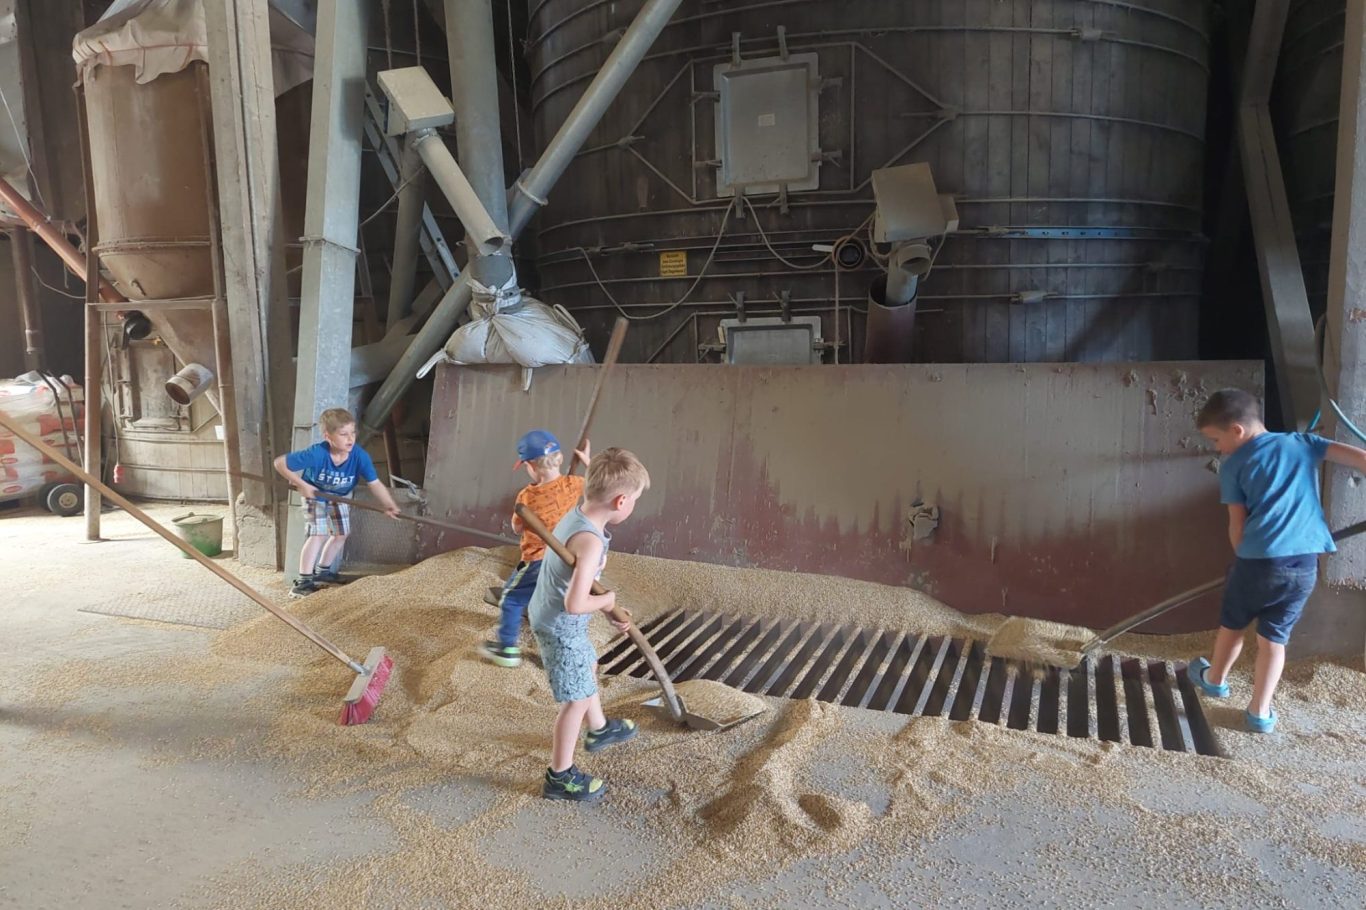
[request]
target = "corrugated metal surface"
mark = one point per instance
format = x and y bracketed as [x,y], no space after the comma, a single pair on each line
[1070,492]
[1072,133]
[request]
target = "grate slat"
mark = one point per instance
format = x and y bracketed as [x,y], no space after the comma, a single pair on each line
[871,664]
[774,663]
[894,675]
[1145,703]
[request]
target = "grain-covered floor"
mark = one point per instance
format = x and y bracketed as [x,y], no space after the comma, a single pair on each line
[153,765]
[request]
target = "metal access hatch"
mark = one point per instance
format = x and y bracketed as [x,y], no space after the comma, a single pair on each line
[767,125]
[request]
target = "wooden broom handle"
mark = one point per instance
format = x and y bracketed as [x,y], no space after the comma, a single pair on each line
[613,352]
[55,456]
[671,700]
[423,520]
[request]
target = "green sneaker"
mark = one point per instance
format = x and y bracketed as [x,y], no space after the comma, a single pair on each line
[574,785]
[501,655]
[616,731]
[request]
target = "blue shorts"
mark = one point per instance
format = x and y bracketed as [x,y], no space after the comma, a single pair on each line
[1270,591]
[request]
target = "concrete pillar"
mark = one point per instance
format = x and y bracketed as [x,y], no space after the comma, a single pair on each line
[1345,366]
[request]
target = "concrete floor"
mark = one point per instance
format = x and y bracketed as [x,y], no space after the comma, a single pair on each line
[95,815]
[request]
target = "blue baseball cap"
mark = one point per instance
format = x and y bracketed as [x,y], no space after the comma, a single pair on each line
[536,444]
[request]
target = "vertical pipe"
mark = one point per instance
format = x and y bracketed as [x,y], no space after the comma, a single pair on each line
[94,331]
[474,94]
[30,319]
[478,129]
[531,194]
[403,274]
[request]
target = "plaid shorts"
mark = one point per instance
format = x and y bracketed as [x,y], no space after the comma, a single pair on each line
[327,519]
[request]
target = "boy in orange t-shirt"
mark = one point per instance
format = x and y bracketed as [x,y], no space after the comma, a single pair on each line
[551,495]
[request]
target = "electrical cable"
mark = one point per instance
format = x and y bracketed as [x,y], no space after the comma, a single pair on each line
[1320,349]
[725,220]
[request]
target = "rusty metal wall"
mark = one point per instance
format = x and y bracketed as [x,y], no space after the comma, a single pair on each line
[1071,132]
[1308,88]
[1077,493]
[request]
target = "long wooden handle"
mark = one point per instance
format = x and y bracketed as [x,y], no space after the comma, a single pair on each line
[608,361]
[423,520]
[1185,597]
[666,685]
[298,626]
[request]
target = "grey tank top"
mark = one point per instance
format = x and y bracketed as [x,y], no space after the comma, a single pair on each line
[546,609]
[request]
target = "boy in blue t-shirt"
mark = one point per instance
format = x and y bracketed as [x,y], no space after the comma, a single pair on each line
[1269,481]
[331,466]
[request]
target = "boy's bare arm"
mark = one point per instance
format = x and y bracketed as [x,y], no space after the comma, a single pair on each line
[385,499]
[579,598]
[296,479]
[1237,517]
[1348,456]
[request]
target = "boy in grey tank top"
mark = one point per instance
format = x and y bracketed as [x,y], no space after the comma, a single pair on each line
[559,612]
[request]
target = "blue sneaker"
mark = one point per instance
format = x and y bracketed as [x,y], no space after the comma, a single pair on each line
[616,731]
[1196,671]
[1258,724]
[574,785]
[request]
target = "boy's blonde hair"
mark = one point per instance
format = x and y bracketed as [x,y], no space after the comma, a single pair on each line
[333,419]
[612,473]
[548,462]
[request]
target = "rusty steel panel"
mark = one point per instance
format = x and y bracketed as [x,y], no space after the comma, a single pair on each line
[1076,493]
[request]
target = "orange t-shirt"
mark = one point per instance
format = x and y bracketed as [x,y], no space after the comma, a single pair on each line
[551,501]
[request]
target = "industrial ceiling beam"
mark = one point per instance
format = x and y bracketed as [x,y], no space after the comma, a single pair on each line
[246,160]
[531,192]
[331,225]
[1346,327]
[1289,324]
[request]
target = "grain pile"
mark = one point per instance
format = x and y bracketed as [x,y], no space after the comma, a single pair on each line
[718,702]
[806,782]
[1038,642]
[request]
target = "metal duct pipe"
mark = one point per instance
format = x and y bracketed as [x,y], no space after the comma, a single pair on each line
[403,273]
[38,222]
[478,128]
[531,192]
[890,329]
[30,319]
[484,236]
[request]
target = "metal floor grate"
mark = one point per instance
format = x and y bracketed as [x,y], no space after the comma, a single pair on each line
[1145,703]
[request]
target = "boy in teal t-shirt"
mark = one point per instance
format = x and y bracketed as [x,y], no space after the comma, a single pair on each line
[1270,483]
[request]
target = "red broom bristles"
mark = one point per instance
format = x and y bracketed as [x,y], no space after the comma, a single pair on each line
[359,711]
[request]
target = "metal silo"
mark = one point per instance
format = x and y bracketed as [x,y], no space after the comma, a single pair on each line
[1070,133]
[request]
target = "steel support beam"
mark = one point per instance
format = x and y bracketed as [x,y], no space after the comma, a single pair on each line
[1289,324]
[531,192]
[331,225]
[1345,358]
[246,162]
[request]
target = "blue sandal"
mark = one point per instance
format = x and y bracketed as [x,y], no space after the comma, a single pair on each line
[1257,724]
[1196,673]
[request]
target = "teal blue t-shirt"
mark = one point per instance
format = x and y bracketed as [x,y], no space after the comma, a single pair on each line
[1276,476]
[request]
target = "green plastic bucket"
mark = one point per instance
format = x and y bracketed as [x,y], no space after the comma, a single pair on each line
[203,532]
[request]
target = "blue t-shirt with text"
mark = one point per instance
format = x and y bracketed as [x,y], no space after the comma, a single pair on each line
[315,463]
[1276,476]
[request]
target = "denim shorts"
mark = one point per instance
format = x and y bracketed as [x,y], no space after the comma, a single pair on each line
[1270,592]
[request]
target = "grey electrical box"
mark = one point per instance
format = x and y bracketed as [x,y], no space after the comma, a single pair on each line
[909,206]
[767,125]
[414,102]
[768,341]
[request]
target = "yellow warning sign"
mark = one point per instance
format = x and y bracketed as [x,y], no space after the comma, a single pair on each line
[673,264]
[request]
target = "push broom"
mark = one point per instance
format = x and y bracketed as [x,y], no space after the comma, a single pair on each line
[371,676]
